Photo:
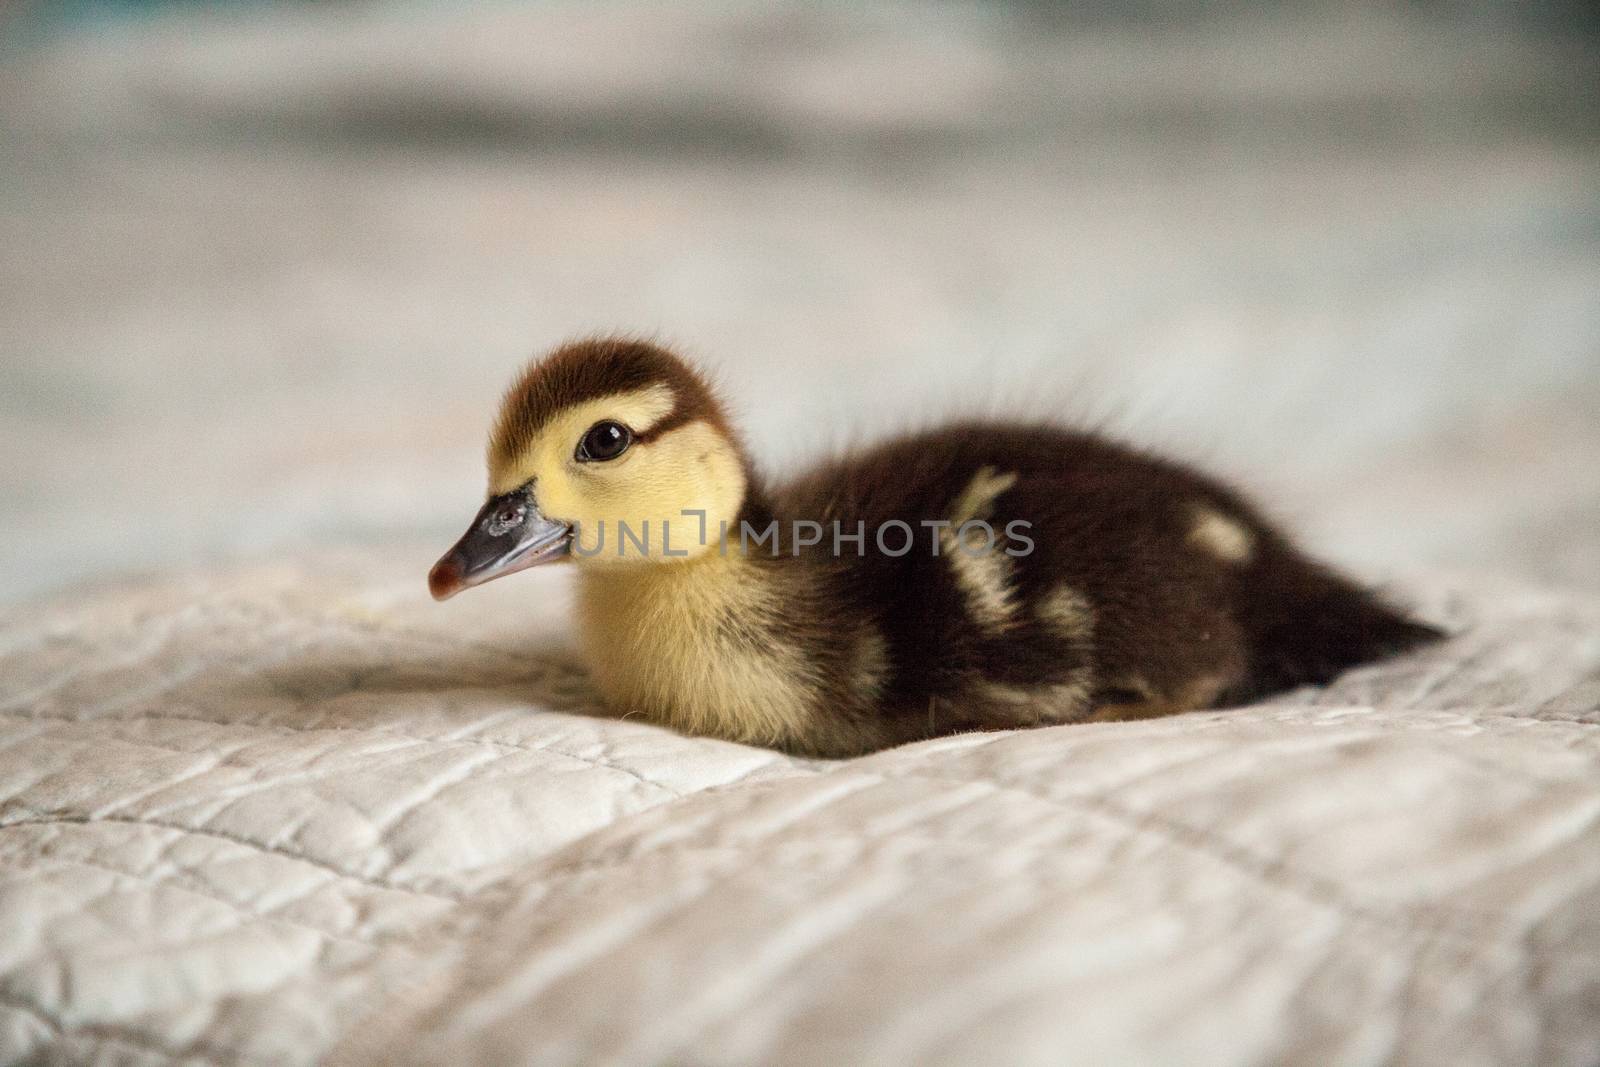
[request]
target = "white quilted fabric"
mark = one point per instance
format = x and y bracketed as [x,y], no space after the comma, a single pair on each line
[263,269]
[298,814]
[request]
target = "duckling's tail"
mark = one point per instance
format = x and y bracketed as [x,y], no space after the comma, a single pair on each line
[1306,624]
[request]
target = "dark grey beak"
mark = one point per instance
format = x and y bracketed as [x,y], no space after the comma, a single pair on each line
[508,535]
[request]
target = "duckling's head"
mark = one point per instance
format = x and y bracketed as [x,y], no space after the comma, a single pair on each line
[606,452]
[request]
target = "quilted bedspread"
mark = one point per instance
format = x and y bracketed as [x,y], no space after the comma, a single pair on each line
[296,814]
[263,269]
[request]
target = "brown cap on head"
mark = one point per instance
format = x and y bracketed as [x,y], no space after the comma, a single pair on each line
[587,370]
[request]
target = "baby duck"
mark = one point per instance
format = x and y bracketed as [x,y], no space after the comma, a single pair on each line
[976,577]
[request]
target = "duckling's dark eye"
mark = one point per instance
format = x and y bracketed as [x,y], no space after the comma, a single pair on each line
[605,440]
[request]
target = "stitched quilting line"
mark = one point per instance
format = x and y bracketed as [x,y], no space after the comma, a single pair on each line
[554,879]
[556,673]
[126,1036]
[250,609]
[389,628]
[182,882]
[760,971]
[380,884]
[49,818]
[1457,668]
[1358,913]
[1474,713]
[673,906]
[499,895]
[482,894]
[1274,875]
[1233,855]
[1421,935]
[424,793]
[554,689]
[597,763]
[992,739]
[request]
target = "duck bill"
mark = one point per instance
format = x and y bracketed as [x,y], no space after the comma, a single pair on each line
[508,535]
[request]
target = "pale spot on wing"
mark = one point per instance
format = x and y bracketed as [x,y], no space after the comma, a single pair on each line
[870,666]
[1037,705]
[985,575]
[1225,538]
[986,581]
[977,499]
[1067,612]
[1198,692]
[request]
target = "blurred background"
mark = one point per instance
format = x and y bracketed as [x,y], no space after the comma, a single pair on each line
[265,268]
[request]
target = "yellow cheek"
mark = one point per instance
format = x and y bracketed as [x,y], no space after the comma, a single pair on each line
[649,504]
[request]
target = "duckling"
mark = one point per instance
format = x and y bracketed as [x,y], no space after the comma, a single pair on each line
[975,577]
